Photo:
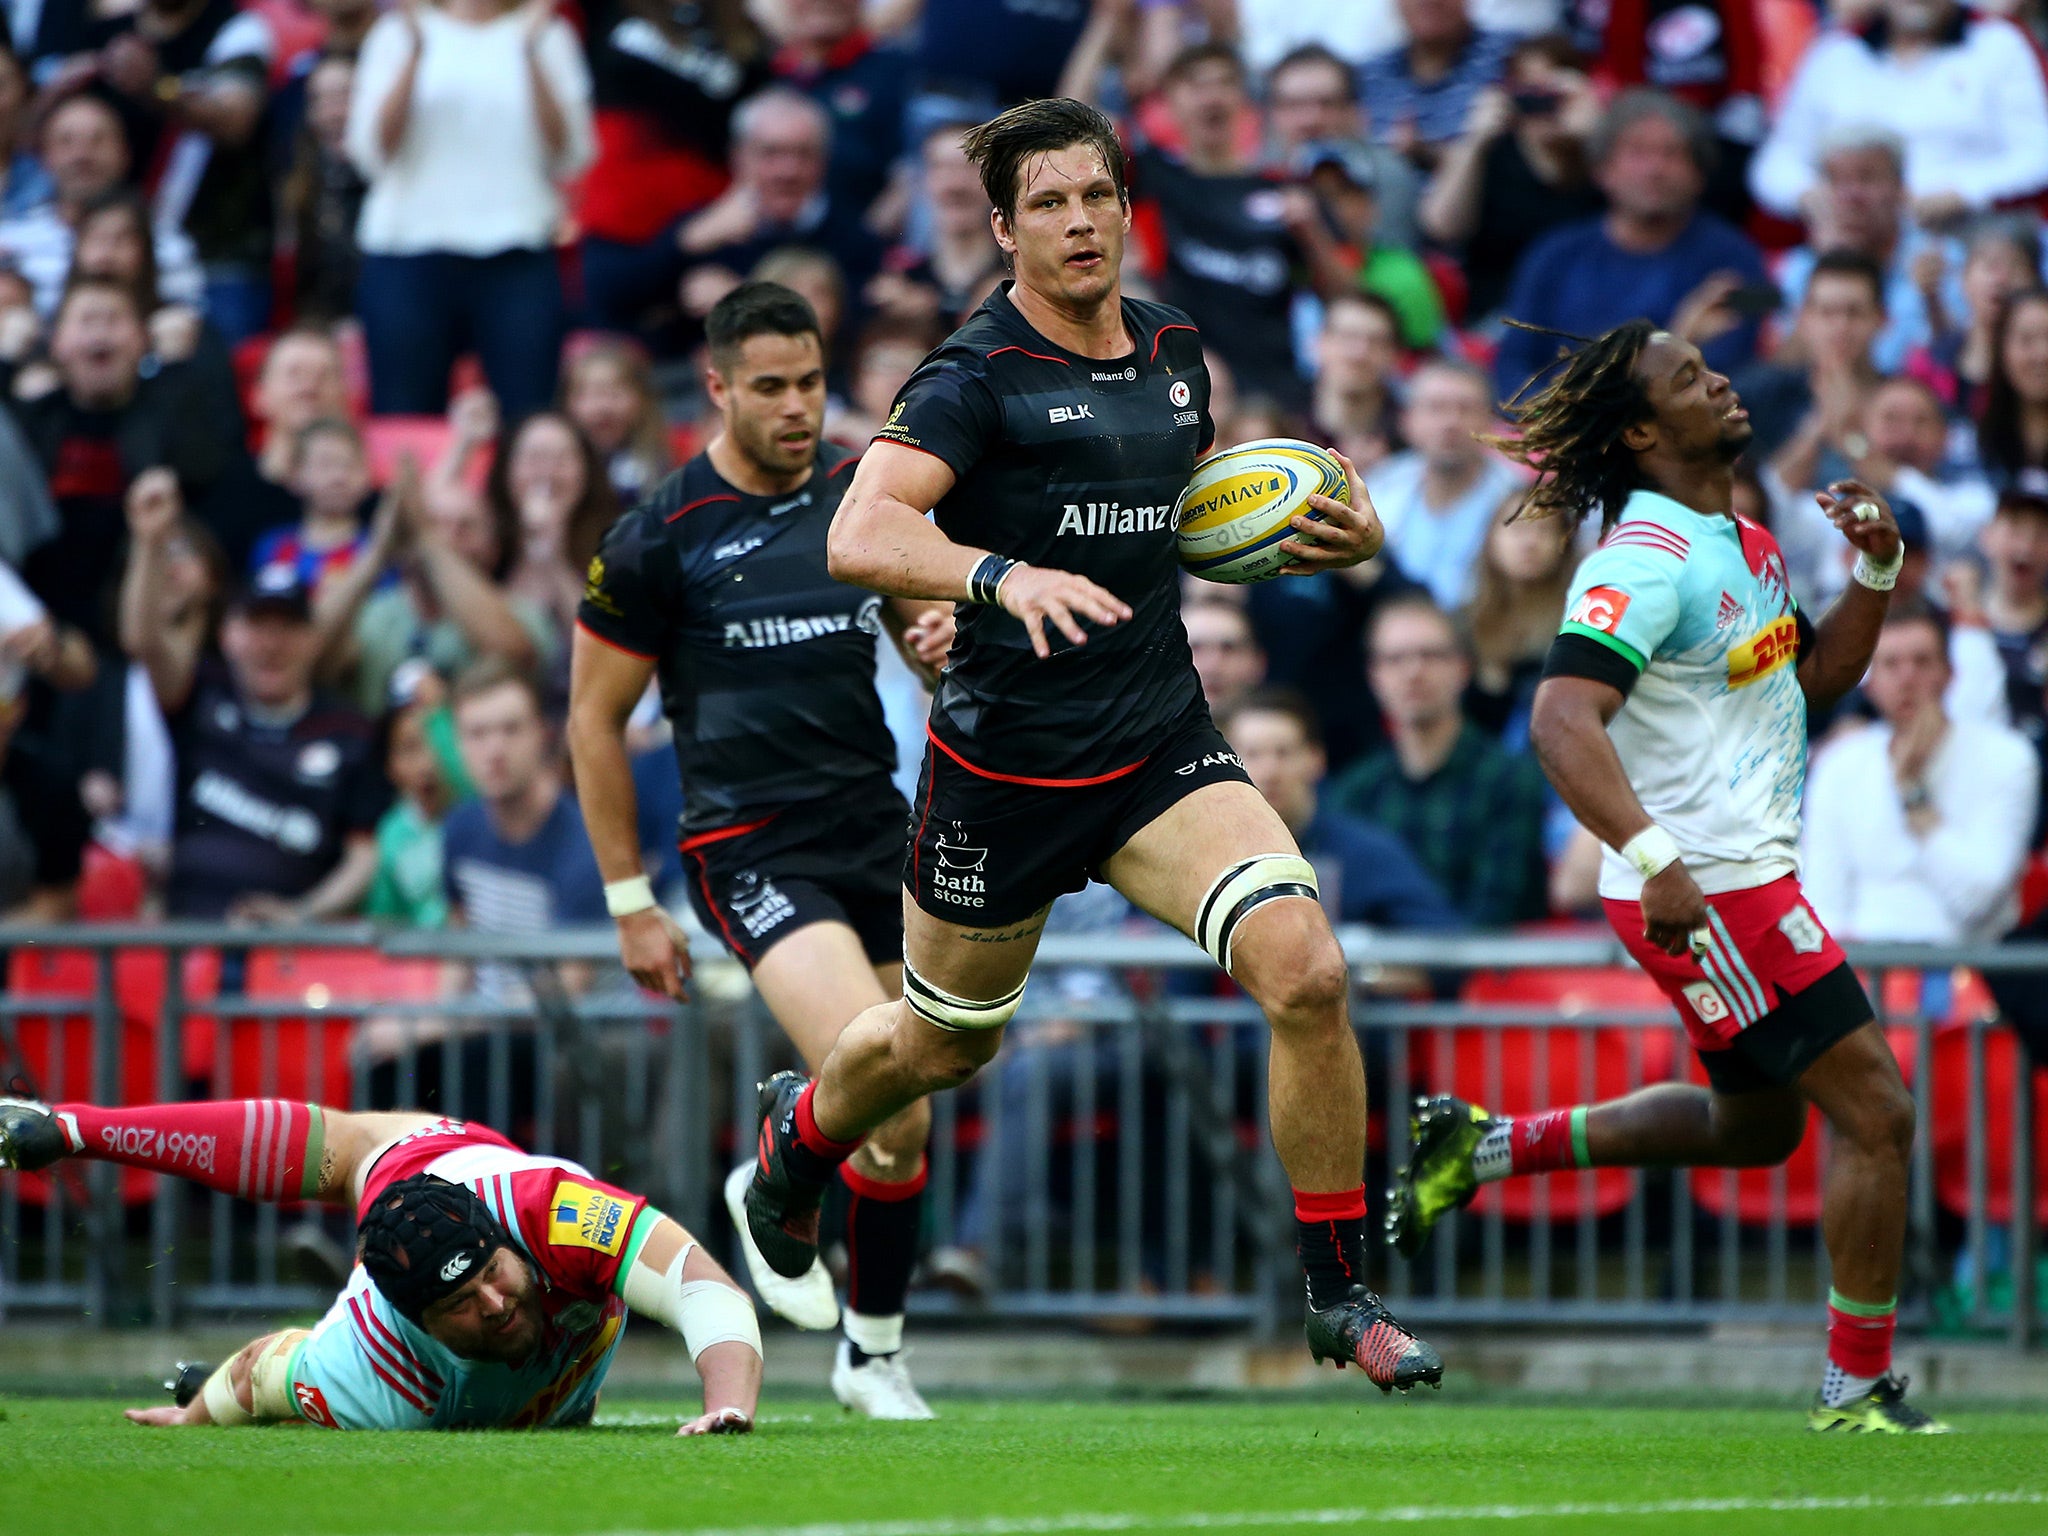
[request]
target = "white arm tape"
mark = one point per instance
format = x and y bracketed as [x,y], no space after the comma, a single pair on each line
[704,1312]
[622,898]
[222,1406]
[1879,578]
[1651,851]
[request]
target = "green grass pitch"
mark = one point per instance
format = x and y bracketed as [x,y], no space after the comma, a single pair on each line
[1022,1468]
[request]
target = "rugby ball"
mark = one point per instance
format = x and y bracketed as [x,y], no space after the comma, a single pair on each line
[1230,521]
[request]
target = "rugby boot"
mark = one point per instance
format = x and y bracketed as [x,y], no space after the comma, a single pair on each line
[782,1209]
[1360,1331]
[809,1300]
[878,1388]
[1883,1410]
[1443,1132]
[31,1136]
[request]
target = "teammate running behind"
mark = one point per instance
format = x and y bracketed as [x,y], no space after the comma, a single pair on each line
[792,829]
[1049,438]
[1672,719]
[492,1286]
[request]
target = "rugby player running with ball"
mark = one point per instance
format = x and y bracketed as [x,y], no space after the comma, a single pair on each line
[491,1288]
[792,828]
[1050,437]
[1672,720]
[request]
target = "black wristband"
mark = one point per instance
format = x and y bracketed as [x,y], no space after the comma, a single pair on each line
[986,577]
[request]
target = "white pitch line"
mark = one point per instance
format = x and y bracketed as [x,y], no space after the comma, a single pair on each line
[1399,1514]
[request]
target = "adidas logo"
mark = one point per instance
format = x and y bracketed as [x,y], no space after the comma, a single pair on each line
[1732,612]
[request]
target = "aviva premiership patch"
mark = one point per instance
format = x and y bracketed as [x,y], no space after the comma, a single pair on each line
[582,1217]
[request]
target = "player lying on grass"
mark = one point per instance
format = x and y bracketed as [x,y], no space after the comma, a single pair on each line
[492,1286]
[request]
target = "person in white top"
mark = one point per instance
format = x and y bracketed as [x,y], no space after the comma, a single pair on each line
[1439,499]
[1964,95]
[468,117]
[1916,827]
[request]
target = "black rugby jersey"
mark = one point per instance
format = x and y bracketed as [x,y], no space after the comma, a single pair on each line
[1071,463]
[767,664]
[265,808]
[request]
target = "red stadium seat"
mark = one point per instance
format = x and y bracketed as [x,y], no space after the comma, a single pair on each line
[1952,1113]
[386,438]
[307,1056]
[57,1048]
[111,886]
[1505,1070]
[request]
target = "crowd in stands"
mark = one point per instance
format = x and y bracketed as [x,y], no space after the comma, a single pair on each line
[332,337]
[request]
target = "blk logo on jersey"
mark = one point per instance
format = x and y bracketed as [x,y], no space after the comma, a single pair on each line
[582,1217]
[1059,413]
[1599,608]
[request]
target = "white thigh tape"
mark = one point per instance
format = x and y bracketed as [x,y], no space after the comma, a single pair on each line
[1245,886]
[270,1378]
[937,1006]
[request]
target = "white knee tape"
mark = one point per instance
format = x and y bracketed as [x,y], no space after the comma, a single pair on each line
[937,1006]
[704,1312]
[1245,886]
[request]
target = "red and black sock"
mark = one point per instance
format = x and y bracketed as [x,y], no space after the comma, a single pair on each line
[883,1222]
[808,1153]
[1330,1237]
[260,1149]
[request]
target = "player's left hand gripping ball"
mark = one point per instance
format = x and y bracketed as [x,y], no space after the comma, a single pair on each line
[1342,533]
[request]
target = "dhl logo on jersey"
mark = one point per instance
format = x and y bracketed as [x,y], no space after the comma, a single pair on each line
[582,1217]
[1763,652]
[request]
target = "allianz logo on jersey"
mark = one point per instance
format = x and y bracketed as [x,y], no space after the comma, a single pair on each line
[1104,517]
[761,634]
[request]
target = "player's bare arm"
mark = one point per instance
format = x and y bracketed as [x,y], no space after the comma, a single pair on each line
[1847,634]
[882,539]
[1568,729]
[605,683]
[1340,535]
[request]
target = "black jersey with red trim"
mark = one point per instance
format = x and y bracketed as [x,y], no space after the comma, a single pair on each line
[767,665]
[1072,463]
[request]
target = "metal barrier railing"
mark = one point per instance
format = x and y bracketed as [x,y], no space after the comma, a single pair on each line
[1113,1162]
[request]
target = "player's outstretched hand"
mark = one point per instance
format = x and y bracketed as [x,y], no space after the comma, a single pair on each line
[166,1417]
[1060,598]
[655,952]
[1343,535]
[719,1421]
[1673,909]
[1863,517]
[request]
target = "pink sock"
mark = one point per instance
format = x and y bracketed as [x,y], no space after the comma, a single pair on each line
[260,1149]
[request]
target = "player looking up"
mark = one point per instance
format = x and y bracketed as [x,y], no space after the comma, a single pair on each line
[1050,438]
[491,1286]
[1672,719]
[792,829]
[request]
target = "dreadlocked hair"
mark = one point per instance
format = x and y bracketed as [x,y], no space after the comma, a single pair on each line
[1569,431]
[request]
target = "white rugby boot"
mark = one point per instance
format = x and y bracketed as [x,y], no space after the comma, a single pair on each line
[878,1388]
[809,1300]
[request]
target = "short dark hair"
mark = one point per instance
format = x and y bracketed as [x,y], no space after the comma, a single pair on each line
[1277,699]
[325,426]
[1195,55]
[489,673]
[1849,264]
[756,309]
[86,282]
[1315,54]
[1917,610]
[2016,502]
[1000,147]
[1365,298]
[1416,602]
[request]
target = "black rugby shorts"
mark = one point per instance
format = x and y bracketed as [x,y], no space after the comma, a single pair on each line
[831,860]
[986,850]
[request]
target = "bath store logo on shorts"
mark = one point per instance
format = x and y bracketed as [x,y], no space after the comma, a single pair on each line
[957,877]
[757,903]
